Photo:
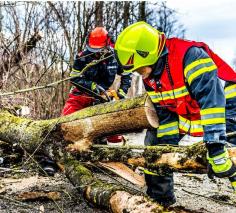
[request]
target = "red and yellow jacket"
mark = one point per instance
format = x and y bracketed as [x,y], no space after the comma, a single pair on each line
[189,87]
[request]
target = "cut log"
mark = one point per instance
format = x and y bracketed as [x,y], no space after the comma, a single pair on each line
[52,137]
[158,158]
[78,130]
[125,172]
[107,195]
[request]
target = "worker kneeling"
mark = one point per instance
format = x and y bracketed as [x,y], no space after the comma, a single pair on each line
[182,79]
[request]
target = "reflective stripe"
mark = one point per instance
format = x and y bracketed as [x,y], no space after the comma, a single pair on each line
[121,91]
[212,110]
[166,95]
[230,87]
[176,93]
[164,126]
[200,72]
[212,116]
[111,67]
[230,91]
[195,63]
[198,67]
[213,121]
[173,132]
[149,172]
[216,115]
[168,129]
[154,96]
[232,95]
[190,126]
[74,72]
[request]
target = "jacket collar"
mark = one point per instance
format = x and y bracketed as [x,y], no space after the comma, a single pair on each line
[159,66]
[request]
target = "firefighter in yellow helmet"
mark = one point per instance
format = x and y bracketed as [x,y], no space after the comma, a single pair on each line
[182,80]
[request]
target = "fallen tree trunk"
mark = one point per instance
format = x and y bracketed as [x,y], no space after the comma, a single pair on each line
[107,195]
[78,130]
[159,158]
[53,136]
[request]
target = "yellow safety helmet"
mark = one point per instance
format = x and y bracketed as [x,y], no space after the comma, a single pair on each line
[139,45]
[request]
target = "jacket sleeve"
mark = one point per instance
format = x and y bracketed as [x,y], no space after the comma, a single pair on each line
[85,79]
[125,82]
[126,79]
[205,87]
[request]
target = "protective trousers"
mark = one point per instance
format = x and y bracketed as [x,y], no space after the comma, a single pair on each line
[159,188]
[231,115]
[77,101]
[231,127]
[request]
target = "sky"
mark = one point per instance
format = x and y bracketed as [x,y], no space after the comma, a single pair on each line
[210,21]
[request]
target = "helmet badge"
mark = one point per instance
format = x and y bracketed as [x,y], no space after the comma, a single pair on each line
[143,54]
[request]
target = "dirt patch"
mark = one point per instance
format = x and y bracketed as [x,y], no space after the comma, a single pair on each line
[70,200]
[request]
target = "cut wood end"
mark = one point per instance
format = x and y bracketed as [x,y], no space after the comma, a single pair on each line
[122,201]
[151,113]
[38,195]
[79,146]
[136,161]
[125,172]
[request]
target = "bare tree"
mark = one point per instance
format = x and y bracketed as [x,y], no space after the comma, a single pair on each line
[126,14]
[165,19]
[142,11]
[99,13]
[65,26]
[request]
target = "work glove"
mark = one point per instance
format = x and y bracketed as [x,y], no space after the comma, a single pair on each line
[96,88]
[221,166]
[121,94]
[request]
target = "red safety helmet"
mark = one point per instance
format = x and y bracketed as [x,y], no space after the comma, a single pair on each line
[98,39]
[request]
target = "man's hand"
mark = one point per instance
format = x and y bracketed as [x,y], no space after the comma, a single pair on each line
[222,166]
[96,88]
[121,94]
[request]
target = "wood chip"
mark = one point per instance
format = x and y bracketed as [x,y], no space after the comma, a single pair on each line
[39,195]
[125,172]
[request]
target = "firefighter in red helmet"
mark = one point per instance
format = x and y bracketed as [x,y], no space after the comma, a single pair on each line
[101,76]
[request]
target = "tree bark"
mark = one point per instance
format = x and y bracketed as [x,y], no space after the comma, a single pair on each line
[126,14]
[99,13]
[107,195]
[52,136]
[142,11]
[161,159]
[78,130]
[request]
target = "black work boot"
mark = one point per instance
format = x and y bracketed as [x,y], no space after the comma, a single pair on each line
[161,189]
[49,166]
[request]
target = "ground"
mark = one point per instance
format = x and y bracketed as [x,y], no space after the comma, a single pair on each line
[194,192]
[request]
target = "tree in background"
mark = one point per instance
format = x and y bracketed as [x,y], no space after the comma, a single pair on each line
[64,26]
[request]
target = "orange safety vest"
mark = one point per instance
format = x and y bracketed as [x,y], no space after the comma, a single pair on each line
[174,93]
